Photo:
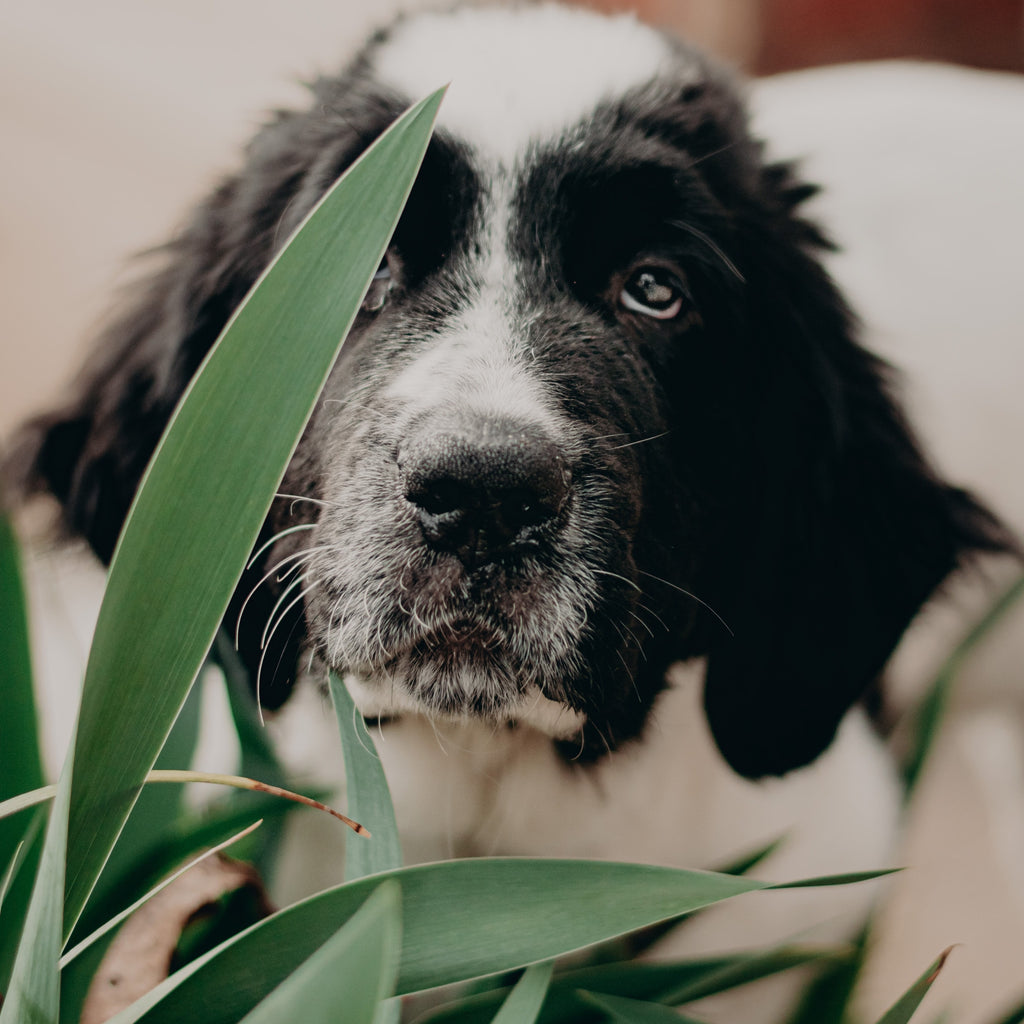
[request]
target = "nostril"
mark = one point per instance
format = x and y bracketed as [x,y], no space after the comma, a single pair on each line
[438,497]
[483,496]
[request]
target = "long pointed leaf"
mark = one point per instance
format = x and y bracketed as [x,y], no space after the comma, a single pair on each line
[218,465]
[906,1006]
[19,740]
[368,793]
[929,714]
[34,993]
[523,1003]
[634,1011]
[461,920]
[114,921]
[9,872]
[1015,1016]
[348,976]
[651,982]
[22,765]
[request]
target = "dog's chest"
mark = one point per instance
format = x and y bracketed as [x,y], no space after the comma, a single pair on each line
[473,789]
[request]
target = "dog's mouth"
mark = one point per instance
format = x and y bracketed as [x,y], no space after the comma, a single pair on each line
[459,670]
[460,641]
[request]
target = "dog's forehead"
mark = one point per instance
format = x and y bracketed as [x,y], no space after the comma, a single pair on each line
[522,74]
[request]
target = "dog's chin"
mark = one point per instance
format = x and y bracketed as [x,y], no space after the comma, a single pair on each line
[459,684]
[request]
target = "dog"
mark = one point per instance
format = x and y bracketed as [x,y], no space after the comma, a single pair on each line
[605,515]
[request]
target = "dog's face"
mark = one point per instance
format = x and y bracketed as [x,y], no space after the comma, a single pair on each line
[601,409]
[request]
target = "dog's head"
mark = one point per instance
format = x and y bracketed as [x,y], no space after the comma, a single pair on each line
[602,409]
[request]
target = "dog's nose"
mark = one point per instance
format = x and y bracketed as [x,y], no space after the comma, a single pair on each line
[483,493]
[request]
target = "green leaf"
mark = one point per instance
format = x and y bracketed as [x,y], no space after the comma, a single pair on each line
[368,793]
[22,765]
[931,711]
[828,996]
[907,1004]
[149,828]
[34,993]
[112,923]
[851,878]
[461,920]
[653,982]
[10,871]
[633,1011]
[219,463]
[348,976]
[523,1003]
[741,969]
[1015,1016]
[23,769]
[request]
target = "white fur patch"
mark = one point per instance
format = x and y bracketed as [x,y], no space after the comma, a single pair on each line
[482,365]
[571,59]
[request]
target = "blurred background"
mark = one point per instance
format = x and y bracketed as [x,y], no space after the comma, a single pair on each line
[116,115]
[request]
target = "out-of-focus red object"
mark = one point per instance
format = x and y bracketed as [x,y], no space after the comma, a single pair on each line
[797,33]
[779,35]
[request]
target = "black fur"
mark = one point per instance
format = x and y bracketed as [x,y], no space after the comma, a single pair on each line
[765,504]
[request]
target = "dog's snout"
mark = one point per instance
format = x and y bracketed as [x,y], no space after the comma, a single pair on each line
[484,493]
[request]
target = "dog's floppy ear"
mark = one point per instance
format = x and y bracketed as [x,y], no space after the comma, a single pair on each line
[90,453]
[842,530]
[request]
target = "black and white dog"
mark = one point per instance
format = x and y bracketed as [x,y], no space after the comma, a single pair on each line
[607,513]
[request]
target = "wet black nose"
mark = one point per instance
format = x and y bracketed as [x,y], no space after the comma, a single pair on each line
[483,493]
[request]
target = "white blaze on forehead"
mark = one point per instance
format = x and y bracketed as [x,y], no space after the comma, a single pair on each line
[518,74]
[478,362]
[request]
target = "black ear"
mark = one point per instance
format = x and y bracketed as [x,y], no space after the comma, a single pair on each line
[841,530]
[90,453]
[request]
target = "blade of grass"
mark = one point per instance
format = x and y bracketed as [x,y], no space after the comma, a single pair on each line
[906,1006]
[828,997]
[150,826]
[851,878]
[10,872]
[368,793]
[634,1011]
[745,969]
[23,768]
[1015,1016]
[219,463]
[523,1003]
[635,944]
[462,920]
[650,982]
[931,711]
[89,940]
[348,976]
[22,764]
[33,995]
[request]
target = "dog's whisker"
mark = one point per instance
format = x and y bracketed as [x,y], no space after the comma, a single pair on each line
[690,594]
[642,440]
[650,611]
[713,246]
[297,557]
[282,615]
[617,576]
[265,647]
[305,497]
[281,534]
[294,585]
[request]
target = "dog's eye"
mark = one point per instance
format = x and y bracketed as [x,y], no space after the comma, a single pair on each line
[653,291]
[380,287]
